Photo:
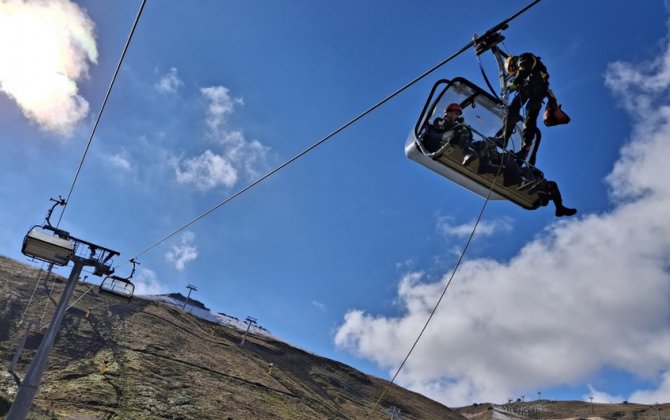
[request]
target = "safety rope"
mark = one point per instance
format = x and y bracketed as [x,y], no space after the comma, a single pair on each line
[102,108]
[82,295]
[37,283]
[444,291]
[124,370]
[486,79]
[46,303]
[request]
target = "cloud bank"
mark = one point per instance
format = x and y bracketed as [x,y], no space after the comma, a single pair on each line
[46,47]
[591,294]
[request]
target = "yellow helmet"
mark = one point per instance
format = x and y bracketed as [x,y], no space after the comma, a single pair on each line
[510,64]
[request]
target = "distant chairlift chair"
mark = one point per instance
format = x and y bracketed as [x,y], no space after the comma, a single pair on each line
[119,286]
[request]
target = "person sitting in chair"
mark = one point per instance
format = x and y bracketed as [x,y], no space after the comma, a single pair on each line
[448,130]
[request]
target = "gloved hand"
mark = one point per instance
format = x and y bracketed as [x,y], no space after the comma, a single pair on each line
[512,87]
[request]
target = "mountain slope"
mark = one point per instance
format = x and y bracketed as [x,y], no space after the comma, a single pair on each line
[149,359]
[574,410]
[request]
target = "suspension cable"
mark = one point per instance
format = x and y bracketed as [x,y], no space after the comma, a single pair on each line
[444,291]
[307,150]
[46,302]
[82,295]
[499,26]
[102,108]
[37,283]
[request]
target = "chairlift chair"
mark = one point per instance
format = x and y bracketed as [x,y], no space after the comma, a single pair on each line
[56,247]
[485,114]
[52,248]
[117,286]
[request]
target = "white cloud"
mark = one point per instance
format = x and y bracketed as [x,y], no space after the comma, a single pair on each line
[221,105]
[238,156]
[206,171]
[247,156]
[250,157]
[602,397]
[146,283]
[184,252]
[447,227]
[320,306]
[119,161]
[45,49]
[169,82]
[659,395]
[591,293]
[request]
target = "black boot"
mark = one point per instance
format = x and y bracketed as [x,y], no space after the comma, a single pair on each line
[555,196]
[565,211]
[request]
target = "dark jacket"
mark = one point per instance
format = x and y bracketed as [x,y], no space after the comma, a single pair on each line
[530,70]
[440,132]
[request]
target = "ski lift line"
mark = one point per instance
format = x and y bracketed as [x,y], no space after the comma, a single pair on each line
[486,79]
[69,306]
[82,295]
[465,248]
[124,364]
[75,301]
[91,287]
[502,24]
[327,137]
[307,150]
[444,291]
[37,283]
[132,260]
[102,108]
[331,135]
[46,302]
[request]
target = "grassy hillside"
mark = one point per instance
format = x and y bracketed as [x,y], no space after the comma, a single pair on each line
[146,359]
[575,410]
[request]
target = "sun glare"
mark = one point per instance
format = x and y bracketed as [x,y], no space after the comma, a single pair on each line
[44,49]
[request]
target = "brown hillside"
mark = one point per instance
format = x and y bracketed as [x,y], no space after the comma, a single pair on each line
[144,359]
[574,410]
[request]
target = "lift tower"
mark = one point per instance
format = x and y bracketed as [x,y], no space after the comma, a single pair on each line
[53,245]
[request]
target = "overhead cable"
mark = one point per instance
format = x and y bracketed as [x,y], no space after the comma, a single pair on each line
[307,150]
[102,108]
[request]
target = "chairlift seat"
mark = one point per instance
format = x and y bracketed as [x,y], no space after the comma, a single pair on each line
[484,113]
[46,247]
[117,286]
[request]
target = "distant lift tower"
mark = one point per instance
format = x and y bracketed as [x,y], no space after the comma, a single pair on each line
[53,245]
[248,321]
[190,288]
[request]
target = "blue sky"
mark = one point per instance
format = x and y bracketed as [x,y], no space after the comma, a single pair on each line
[345,251]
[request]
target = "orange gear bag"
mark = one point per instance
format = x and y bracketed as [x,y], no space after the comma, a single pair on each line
[553,114]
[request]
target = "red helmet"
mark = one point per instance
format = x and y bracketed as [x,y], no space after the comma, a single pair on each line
[454,107]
